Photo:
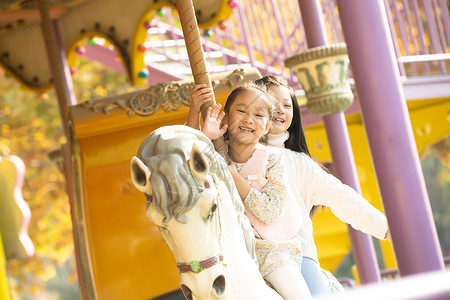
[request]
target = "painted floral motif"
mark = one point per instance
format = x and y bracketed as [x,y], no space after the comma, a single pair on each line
[268,203]
[272,255]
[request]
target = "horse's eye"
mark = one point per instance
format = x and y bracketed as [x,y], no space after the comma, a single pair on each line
[212,211]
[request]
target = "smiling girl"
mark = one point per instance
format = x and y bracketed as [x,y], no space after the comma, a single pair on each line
[258,174]
[312,184]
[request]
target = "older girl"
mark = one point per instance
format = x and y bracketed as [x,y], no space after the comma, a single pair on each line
[313,185]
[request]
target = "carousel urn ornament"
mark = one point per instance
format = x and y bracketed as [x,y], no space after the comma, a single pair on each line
[323,74]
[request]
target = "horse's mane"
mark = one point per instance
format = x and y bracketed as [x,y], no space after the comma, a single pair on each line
[166,152]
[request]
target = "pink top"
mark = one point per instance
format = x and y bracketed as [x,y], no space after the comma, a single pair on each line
[258,174]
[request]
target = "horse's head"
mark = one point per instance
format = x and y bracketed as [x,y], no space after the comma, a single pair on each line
[184,180]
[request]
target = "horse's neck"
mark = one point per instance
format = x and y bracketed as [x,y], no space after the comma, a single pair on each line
[233,242]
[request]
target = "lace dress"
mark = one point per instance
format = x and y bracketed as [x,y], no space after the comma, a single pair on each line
[267,204]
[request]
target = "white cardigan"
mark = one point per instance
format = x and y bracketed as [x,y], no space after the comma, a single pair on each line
[313,186]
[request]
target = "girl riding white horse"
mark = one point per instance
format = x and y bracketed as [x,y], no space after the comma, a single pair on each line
[192,198]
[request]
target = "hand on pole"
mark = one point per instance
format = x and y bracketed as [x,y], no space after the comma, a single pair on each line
[200,95]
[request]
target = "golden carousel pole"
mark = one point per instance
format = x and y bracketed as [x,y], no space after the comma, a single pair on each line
[197,58]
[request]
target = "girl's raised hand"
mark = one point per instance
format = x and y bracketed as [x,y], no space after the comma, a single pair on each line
[200,94]
[212,125]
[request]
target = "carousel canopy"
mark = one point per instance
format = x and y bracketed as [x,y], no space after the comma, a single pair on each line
[121,23]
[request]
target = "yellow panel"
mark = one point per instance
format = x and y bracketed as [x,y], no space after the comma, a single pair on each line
[129,258]
[4,287]
[331,238]
[430,120]
[12,216]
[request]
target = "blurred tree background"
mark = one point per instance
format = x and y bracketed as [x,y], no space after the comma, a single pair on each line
[30,127]
[436,168]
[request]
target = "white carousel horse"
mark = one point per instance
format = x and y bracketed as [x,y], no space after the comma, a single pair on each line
[192,198]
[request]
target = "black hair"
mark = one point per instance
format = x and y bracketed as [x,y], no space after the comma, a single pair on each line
[247,87]
[297,140]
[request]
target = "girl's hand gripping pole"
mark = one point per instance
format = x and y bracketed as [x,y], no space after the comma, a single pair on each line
[197,59]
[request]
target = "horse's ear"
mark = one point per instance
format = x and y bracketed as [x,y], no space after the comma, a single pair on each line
[198,165]
[140,175]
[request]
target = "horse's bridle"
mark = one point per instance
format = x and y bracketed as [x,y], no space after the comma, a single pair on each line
[196,266]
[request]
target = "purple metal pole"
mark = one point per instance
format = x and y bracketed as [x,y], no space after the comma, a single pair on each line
[67,78]
[390,136]
[313,22]
[343,160]
[341,151]
[58,64]
[244,31]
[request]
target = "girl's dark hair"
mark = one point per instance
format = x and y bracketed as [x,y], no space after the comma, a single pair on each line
[247,87]
[296,141]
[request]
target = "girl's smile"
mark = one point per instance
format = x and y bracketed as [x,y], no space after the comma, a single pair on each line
[283,112]
[246,129]
[278,120]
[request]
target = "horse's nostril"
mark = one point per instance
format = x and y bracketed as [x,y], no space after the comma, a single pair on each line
[219,285]
[186,291]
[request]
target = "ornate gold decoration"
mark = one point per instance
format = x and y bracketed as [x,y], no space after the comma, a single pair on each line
[232,80]
[323,74]
[166,96]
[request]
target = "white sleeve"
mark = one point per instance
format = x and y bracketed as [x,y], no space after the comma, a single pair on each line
[317,187]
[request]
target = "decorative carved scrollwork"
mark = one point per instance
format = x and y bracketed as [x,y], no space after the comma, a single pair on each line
[166,96]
